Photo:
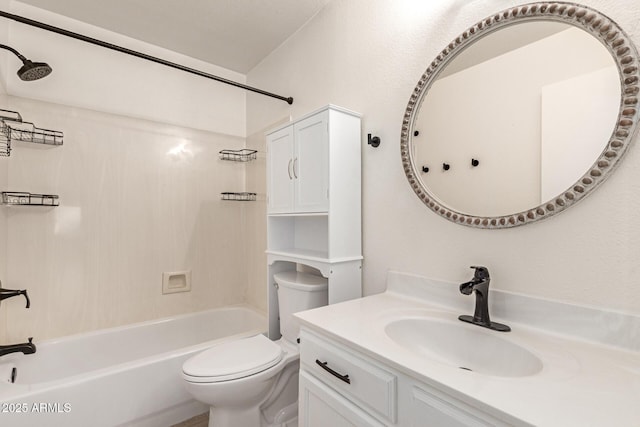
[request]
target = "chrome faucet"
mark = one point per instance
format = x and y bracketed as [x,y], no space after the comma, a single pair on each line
[480,284]
[24,348]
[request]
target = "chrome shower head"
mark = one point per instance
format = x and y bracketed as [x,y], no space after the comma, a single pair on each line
[30,70]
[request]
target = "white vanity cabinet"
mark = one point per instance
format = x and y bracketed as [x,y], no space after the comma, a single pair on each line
[342,387]
[314,202]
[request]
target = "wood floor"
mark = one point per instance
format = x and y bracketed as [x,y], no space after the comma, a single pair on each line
[201,420]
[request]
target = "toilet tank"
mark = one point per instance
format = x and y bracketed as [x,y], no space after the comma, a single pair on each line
[298,291]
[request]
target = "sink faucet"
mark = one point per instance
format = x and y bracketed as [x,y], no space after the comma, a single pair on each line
[480,284]
[25,348]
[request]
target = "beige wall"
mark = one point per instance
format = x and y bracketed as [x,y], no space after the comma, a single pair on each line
[367,55]
[133,205]
[129,208]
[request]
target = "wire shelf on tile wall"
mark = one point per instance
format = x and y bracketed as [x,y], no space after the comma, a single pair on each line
[13,128]
[239,197]
[244,155]
[22,198]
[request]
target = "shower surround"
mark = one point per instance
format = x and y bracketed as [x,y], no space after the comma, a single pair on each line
[137,198]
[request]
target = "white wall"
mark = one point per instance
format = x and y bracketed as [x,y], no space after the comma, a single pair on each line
[4,32]
[96,78]
[132,206]
[129,209]
[572,130]
[367,55]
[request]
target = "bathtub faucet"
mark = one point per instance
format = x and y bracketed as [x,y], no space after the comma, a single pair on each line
[8,293]
[25,348]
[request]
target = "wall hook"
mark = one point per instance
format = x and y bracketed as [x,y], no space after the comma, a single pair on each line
[425,169]
[446,166]
[475,162]
[373,141]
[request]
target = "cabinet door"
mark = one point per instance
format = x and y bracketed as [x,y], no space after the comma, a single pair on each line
[321,406]
[429,409]
[280,171]
[311,164]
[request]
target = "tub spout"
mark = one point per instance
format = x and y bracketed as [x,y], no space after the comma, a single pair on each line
[25,348]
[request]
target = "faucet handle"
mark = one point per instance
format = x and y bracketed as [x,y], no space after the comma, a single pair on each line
[481,273]
[8,293]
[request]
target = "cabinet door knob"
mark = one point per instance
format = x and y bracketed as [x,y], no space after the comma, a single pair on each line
[295,163]
[289,168]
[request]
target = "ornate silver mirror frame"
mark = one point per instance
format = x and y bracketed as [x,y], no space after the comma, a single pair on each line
[626,58]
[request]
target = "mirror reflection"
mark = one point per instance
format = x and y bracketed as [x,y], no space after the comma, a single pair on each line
[534,104]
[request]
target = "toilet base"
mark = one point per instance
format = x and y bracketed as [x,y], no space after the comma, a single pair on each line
[224,417]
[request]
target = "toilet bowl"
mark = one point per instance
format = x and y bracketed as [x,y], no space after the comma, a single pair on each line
[252,382]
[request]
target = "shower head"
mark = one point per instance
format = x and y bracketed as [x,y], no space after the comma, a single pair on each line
[33,70]
[29,70]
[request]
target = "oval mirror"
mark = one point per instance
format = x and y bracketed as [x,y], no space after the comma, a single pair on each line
[522,115]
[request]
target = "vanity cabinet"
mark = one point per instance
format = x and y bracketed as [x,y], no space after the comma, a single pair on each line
[342,387]
[322,406]
[314,202]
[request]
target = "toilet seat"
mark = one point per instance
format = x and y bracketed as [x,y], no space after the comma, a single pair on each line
[233,360]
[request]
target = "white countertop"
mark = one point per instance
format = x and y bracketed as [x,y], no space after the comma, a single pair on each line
[582,383]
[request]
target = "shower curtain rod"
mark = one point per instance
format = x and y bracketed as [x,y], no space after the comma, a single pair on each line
[57,30]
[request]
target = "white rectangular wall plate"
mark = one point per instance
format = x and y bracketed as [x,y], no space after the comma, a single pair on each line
[176,281]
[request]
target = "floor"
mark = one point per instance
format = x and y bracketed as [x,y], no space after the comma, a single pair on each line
[201,420]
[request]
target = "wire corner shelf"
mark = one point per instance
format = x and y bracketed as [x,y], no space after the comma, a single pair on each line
[14,128]
[243,155]
[23,198]
[239,197]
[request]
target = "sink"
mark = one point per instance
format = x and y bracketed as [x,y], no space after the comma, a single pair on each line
[463,346]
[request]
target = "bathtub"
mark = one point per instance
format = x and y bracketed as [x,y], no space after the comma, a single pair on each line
[124,376]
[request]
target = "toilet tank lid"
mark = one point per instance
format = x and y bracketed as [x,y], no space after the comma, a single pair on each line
[302,281]
[234,359]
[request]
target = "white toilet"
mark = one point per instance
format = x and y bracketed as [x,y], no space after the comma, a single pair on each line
[253,382]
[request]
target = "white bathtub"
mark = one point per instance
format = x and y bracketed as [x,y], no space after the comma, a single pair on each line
[128,375]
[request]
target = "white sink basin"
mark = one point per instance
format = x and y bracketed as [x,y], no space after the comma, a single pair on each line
[463,346]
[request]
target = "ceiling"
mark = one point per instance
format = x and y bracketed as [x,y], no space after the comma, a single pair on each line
[234,34]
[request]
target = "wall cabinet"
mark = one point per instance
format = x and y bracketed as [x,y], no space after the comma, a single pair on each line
[298,165]
[357,390]
[314,202]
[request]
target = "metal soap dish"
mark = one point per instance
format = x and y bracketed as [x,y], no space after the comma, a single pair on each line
[239,197]
[19,198]
[13,128]
[244,155]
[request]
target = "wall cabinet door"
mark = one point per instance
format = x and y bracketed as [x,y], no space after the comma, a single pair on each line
[280,185]
[320,406]
[311,164]
[298,167]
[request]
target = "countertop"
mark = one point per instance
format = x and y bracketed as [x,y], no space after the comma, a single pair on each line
[582,382]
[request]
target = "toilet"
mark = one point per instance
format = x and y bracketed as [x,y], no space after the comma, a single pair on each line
[253,382]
